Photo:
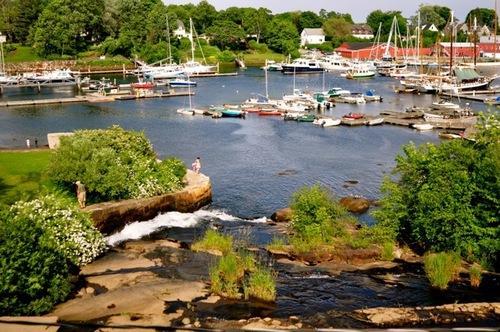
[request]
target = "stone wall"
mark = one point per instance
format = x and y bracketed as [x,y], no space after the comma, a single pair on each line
[110,216]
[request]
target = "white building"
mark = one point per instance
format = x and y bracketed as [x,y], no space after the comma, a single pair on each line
[312,36]
[362,31]
[429,27]
[181,32]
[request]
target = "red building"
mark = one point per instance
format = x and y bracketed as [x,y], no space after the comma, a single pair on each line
[366,50]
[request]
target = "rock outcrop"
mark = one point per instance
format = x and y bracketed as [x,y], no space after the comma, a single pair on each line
[355,204]
[109,216]
[282,215]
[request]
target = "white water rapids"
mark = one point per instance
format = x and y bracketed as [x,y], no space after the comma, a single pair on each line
[138,229]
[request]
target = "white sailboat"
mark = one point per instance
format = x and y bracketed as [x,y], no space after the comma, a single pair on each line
[193,67]
[190,110]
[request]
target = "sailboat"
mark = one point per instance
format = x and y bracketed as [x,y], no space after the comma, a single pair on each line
[193,67]
[166,71]
[190,110]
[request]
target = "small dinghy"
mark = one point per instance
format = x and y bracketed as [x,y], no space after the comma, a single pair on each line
[375,122]
[423,126]
[326,122]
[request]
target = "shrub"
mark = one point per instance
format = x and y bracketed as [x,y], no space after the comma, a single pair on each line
[475,274]
[259,47]
[277,243]
[446,197]
[261,284]
[214,241]
[441,268]
[112,164]
[177,166]
[226,276]
[315,213]
[70,230]
[387,252]
[226,56]
[33,271]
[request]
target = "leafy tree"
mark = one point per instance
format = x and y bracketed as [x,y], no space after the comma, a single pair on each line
[255,21]
[324,15]
[484,16]
[21,16]
[437,15]
[376,17]
[226,34]
[233,14]
[447,196]
[67,26]
[33,273]
[282,36]
[308,19]
[337,27]
[204,16]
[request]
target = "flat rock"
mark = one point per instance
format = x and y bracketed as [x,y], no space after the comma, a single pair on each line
[12,327]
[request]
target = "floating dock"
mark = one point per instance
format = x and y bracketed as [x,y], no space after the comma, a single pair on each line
[479,96]
[91,98]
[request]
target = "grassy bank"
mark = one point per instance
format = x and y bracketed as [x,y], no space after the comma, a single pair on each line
[22,175]
[256,59]
[21,54]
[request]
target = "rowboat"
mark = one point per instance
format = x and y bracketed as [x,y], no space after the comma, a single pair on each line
[449,135]
[264,112]
[229,113]
[375,122]
[181,83]
[306,118]
[423,126]
[143,85]
[326,122]
[353,116]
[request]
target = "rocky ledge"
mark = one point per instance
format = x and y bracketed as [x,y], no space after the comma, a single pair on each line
[443,314]
[109,216]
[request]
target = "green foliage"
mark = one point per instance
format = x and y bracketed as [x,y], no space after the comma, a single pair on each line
[226,34]
[282,36]
[484,16]
[33,272]
[226,56]
[67,26]
[112,164]
[447,196]
[277,243]
[69,229]
[376,17]
[308,19]
[337,27]
[441,268]
[316,213]
[387,252]
[261,285]
[225,277]
[326,47]
[432,14]
[176,165]
[475,275]
[259,47]
[214,241]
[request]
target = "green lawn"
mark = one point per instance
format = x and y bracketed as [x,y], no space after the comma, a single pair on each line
[22,175]
[21,54]
[256,59]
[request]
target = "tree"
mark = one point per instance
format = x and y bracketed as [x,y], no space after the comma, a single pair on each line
[22,15]
[255,21]
[226,34]
[324,15]
[337,27]
[204,16]
[68,26]
[376,17]
[447,196]
[308,19]
[437,15]
[484,16]
[282,36]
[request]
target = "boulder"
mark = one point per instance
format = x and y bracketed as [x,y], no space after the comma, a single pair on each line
[282,215]
[355,204]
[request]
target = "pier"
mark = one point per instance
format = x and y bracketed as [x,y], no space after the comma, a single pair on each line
[479,96]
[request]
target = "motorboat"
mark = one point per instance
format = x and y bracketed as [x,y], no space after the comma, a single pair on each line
[371,96]
[353,98]
[444,105]
[306,118]
[335,62]
[302,66]
[168,71]
[272,65]
[359,71]
[54,76]
[292,116]
[181,82]
[353,116]
[326,122]
[143,85]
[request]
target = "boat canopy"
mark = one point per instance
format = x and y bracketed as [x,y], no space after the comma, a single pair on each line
[466,74]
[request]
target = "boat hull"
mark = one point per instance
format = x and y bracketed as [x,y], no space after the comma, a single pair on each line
[300,70]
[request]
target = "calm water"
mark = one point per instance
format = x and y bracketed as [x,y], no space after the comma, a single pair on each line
[255,164]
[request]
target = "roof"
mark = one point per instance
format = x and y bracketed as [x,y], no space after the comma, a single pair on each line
[458,45]
[466,74]
[357,45]
[361,29]
[180,25]
[316,31]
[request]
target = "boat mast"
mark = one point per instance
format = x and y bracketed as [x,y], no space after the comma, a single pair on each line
[168,41]
[191,37]
[189,93]
[418,36]
[475,40]
[495,32]
[265,75]
[386,53]
[396,26]
[451,42]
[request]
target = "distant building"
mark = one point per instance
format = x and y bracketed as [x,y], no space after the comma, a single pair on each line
[484,31]
[489,39]
[463,27]
[362,31]
[181,32]
[367,50]
[312,36]
[429,27]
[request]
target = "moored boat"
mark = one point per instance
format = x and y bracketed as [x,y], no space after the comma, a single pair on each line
[326,122]
[302,66]
[449,135]
[181,82]
[353,116]
[375,122]
[423,126]
[306,118]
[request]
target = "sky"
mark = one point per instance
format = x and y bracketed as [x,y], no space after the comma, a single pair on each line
[359,9]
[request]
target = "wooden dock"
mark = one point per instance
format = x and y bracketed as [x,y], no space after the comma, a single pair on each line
[91,98]
[479,96]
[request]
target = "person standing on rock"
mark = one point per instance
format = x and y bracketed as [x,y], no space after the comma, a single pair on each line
[196,165]
[81,194]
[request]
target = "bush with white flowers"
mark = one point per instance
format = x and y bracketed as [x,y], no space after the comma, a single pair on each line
[69,228]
